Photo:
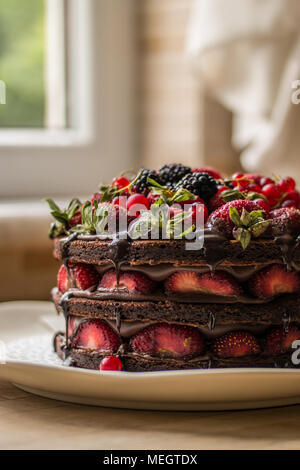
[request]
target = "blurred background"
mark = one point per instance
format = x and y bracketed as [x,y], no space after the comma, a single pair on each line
[93,87]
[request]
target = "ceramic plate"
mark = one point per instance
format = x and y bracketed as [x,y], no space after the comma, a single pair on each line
[27,328]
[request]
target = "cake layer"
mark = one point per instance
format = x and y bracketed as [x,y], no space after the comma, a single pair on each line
[200,314]
[137,363]
[216,250]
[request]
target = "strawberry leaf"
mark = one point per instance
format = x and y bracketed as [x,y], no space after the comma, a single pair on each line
[243,236]
[62,217]
[234,216]
[259,228]
[245,218]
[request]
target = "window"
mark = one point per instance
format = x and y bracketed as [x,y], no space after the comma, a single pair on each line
[22,57]
[79,123]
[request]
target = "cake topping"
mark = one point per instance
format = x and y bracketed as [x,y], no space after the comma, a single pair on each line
[200,184]
[170,174]
[63,279]
[85,276]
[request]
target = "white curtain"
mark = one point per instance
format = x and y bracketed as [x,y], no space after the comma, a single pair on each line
[248,54]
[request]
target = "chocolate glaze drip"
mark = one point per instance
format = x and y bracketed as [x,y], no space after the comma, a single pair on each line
[288,245]
[214,244]
[286,319]
[118,250]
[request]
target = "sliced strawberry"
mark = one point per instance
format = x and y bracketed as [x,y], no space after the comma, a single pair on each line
[236,344]
[96,335]
[218,283]
[169,340]
[279,341]
[63,279]
[274,280]
[133,281]
[85,276]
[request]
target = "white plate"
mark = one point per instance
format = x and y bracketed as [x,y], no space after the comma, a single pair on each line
[26,328]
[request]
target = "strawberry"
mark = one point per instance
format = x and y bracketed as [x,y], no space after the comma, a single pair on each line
[279,341]
[63,279]
[133,281]
[96,335]
[239,218]
[168,340]
[236,344]
[215,202]
[218,283]
[209,170]
[85,275]
[274,280]
[110,363]
[285,220]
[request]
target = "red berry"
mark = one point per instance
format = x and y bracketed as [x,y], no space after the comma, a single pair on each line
[293,196]
[152,198]
[222,189]
[209,170]
[120,201]
[265,180]
[285,220]
[218,283]
[199,208]
[287,184]
[236,344]
[96,197]
[130,280]
[96,335]
[136,203]
[272,193]
[263,205]
[254,177]
[274,280]
[76,219]
[62,279]
[110,363]
[237,176]
[278,341]
[173,211]
[85,276]
[289,203]
[169,340]
[253,188]
[121,182]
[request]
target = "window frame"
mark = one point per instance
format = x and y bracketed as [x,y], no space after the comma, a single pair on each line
[101,118]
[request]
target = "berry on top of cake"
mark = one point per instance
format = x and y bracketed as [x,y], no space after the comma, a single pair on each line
[241,207]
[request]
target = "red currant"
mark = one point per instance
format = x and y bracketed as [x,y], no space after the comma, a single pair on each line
[110,363]
[136,203]
[120,201]
[152,198]
[287,184]
[96,197]
[222,189]
[293,196]
[265,180]
[272,193]
[121,182]
[289,203]
[199,208]
[253,188]
[263,205]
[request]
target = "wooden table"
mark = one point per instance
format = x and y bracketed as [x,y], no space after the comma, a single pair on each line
[30,422]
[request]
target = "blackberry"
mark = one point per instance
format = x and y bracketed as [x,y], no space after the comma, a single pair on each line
[199,184]
[141,185]
[172,173]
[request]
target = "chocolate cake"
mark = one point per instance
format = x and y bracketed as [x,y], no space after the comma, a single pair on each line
[137,295]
